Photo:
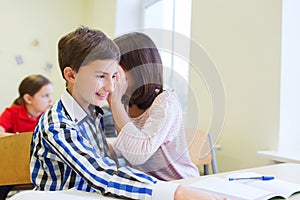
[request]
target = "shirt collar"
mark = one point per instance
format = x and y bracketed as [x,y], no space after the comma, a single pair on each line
[96,111]
[75,111]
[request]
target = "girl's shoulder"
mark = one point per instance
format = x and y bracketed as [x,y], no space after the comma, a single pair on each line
[15,108]
[166,97]
[14,111]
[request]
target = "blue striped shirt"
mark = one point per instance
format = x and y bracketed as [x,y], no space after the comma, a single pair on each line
[70,151]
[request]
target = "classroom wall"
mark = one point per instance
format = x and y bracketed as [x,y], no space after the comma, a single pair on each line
[24,23]
[243,39]
[102,15]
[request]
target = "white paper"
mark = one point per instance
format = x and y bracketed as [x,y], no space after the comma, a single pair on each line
[248,189]
[230,189]
[55,195]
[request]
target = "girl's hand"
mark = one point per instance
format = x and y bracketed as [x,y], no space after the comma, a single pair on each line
[4,134]
[114,99]
[121,73]
[120,87]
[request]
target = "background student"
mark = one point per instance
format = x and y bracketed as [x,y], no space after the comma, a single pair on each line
[151,130]
[69,149]
[35,97]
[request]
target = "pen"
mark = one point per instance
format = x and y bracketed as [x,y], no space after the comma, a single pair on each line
[263,178]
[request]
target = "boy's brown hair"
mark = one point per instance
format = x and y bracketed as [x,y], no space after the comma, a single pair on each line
[85,45]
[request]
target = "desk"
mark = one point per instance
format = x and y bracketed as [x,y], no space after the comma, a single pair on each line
[279,157]
[285,171]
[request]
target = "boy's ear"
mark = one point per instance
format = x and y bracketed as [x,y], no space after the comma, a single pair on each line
[27,98]
[69,74]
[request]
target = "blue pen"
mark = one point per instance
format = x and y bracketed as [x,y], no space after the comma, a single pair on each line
[263,178]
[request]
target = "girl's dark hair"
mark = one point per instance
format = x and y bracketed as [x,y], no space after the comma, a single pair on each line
[85,45]
[141,60]
[30,85]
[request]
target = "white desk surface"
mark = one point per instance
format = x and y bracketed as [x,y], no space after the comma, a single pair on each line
[279,156]
[285,171]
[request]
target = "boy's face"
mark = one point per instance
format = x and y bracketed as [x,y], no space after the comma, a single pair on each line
[93,82]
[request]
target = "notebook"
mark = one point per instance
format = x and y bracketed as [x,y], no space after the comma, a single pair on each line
[248,189]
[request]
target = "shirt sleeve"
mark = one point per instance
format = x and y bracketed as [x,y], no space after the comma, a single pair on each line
[99,172]
[6,119]
[138,145]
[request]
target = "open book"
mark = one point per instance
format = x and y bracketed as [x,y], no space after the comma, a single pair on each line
[248,189]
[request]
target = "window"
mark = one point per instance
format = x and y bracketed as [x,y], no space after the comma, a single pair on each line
[289,131]
[164,16]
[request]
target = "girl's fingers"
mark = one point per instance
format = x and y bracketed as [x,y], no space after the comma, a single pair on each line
[120,73]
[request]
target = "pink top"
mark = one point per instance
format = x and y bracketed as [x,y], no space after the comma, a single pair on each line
[155,141]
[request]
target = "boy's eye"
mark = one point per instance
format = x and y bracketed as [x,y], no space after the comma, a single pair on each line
[100,76]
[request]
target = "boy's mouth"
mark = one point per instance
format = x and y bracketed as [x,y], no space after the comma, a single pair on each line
[101,96]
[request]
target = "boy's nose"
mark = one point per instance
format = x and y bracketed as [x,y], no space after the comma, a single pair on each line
[109,85]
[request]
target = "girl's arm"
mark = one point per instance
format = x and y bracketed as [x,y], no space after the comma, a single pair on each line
[3,133]
[136,144]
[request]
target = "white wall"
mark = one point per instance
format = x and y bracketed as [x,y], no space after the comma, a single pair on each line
[101,14]
[243,38]
[127,11]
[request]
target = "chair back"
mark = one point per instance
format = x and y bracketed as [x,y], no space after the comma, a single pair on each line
[201,149]
[15,159]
